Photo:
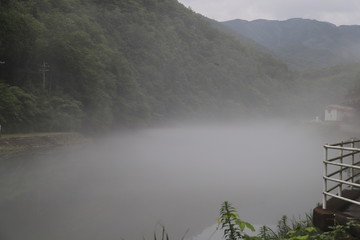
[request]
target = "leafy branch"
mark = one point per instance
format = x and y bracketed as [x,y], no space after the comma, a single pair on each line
[233,226]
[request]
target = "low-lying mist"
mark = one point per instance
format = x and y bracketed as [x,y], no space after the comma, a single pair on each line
[123,186]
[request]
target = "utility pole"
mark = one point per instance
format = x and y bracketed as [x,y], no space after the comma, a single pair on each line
[44,68]
[1,76]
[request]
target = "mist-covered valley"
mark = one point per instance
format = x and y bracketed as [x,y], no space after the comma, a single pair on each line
[124,186]
[183,115]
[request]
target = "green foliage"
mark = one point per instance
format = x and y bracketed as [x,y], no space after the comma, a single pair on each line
[125,63]
[338,232]
[22,111]
[234,228]
[135,62]
[17,108]
[298,230]
[318,88]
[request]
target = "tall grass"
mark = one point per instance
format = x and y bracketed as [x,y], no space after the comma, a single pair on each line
[286,230]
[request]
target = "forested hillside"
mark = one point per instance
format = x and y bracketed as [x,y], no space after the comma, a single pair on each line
[317,88]
[104,64]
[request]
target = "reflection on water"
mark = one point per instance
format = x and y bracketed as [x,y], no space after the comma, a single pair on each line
[124,186]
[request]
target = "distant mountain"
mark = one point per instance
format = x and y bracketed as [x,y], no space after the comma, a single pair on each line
[303,43]
[239,36]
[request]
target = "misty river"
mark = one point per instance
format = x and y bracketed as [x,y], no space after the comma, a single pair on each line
[125,186]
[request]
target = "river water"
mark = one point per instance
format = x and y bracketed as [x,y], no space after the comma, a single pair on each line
[126,187]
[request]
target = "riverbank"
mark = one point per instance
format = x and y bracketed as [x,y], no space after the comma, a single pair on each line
[13,145]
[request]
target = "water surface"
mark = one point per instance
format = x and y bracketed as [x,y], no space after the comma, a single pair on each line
[125,186]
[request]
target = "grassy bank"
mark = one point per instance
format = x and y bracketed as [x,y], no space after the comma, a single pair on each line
[14,144]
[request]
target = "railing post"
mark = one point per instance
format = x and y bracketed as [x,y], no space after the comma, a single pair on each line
[352,162]
[341,169]
[324,179]
[334,167]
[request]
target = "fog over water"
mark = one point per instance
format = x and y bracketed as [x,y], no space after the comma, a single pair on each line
[178,176]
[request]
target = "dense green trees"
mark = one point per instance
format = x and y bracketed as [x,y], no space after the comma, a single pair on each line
[113,63]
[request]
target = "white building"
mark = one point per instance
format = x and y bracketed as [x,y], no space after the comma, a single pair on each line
[338,113]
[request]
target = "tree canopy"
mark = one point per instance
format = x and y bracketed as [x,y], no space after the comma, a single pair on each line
[81,65]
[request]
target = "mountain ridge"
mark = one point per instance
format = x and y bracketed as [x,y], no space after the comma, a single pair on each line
[303,43]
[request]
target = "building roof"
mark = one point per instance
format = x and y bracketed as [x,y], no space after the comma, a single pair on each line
[339,107]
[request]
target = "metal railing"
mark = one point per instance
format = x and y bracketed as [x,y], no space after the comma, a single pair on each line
[341,170]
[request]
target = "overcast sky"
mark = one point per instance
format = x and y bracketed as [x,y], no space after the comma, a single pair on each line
[339,12]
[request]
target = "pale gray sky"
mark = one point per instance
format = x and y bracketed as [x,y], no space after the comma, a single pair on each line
[339,12]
